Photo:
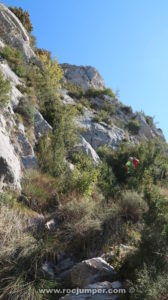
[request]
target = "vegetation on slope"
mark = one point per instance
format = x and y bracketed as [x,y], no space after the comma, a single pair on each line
[95,207]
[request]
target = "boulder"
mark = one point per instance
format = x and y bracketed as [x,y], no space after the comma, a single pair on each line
[91,271]
[85,76]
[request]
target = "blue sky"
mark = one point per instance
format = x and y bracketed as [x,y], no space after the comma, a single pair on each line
[126,40]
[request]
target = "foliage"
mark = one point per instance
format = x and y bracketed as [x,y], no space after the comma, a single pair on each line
[15,60]
[131,205]
[26,109]
[53,148]
[149,120]
[74,90]
[106,179]
[109,92]
[102,116]
[150,285]
[81,216]
[133,126]
[21,255]
[23,16]
[39,192]
[92,93]
[85,174]
[4,90]
[126,109]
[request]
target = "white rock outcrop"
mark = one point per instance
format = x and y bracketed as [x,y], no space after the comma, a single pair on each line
[41,126]
[87,77]
[100,134]
[10,170]
[87,148]
[12,32]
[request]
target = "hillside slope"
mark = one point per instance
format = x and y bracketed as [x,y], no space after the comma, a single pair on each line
[70,216]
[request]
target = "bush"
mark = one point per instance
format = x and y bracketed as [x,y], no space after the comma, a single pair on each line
[102,116]
[133,126]
[149,285]
[80,108]
[149,121]
[85,174]
[24,17]
[26,109]
[40,192]
[21,255]
[106,180]
[74,90]
[131,205]
[126,109]
[4,90]
[81,215]
[109,92]
[15,60]
[22,88]
[108,107]
[92,92]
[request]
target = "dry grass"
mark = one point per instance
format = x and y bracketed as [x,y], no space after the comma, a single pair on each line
[40,191]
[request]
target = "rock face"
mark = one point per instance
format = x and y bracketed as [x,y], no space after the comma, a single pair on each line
[100,134]
[87,148]
[13,33]
[14,81]
[41,126]
[86,77]
[10,170]
[91,271]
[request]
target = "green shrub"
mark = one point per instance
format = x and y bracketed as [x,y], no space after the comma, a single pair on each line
[149,120]
[109,92]
[21,255]
[108,107]
[85,102]
[102,116]
[133,126]
[81,215]
[149,285]
[92,92]
[15,60]
[74,90]
[80,108]
[126,109]
[23,16]
[26,109]
[85,174]
[106,179]
[4,90]
[131,205]
[51,154]
[22,88]
[40,192]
